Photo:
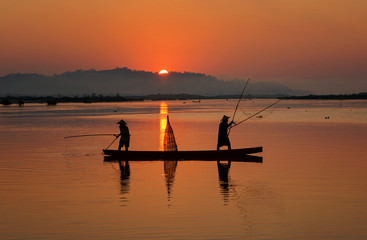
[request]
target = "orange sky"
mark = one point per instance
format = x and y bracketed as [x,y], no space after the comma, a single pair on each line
[314,45]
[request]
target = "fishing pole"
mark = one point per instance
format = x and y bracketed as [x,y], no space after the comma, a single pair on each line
[90,135]
[239,100]
[238,103]
[236,124]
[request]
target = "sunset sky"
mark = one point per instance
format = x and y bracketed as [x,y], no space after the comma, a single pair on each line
[316,45]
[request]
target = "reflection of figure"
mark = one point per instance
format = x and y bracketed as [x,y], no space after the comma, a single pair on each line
[223,171]
[223,139]
[169,171]
[124,134]
[125,176]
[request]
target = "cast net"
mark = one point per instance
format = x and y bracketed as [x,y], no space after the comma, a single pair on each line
[169,142]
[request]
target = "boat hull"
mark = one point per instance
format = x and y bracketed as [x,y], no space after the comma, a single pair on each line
[210,155]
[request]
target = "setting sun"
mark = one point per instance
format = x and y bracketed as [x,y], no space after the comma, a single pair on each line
[163,72]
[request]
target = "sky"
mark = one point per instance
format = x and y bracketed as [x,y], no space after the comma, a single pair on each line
[314,45]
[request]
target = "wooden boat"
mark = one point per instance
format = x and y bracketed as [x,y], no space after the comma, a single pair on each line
[208,155]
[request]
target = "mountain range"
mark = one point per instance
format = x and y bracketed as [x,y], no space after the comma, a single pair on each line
[127,82]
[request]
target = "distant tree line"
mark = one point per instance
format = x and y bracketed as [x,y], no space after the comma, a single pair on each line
[53,100]
[362,95]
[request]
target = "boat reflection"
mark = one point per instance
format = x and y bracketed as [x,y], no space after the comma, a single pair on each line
[226,185]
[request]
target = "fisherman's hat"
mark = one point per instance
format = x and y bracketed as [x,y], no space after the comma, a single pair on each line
[122,122]
[224,118]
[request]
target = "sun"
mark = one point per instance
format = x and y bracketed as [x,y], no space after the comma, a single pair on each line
[163,72]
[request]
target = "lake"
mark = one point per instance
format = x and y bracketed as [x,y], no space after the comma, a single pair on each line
[312,183]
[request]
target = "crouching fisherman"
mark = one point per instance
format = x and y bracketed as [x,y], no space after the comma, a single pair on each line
[124,134]
[223,139]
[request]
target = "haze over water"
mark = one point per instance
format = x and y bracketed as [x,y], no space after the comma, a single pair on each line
[311,184]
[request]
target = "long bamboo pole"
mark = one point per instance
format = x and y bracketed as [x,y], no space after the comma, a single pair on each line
[239,100]
[238,103]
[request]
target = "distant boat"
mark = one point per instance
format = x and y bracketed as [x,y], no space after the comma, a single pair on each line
[207,155]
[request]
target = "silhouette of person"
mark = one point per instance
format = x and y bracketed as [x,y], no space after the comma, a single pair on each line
[223,139]
[124,134]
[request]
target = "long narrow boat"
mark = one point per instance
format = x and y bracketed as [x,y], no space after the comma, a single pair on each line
[208,155]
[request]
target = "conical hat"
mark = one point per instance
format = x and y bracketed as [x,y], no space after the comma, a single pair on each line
[122,122]
[224,118]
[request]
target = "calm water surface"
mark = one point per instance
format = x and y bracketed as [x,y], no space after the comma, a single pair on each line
[312,183]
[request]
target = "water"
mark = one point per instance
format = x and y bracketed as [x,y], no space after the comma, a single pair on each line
[312,182]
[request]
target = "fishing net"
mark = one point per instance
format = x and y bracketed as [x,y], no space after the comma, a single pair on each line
[169,142]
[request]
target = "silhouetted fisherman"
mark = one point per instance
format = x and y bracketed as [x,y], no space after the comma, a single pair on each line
[223,139]
[124,134]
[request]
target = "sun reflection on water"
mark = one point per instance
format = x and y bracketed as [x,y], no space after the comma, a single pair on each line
[163,123]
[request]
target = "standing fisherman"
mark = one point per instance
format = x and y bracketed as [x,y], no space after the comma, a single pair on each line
[124,134]
[223,139]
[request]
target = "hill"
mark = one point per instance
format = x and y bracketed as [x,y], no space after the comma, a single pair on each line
[127,82]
